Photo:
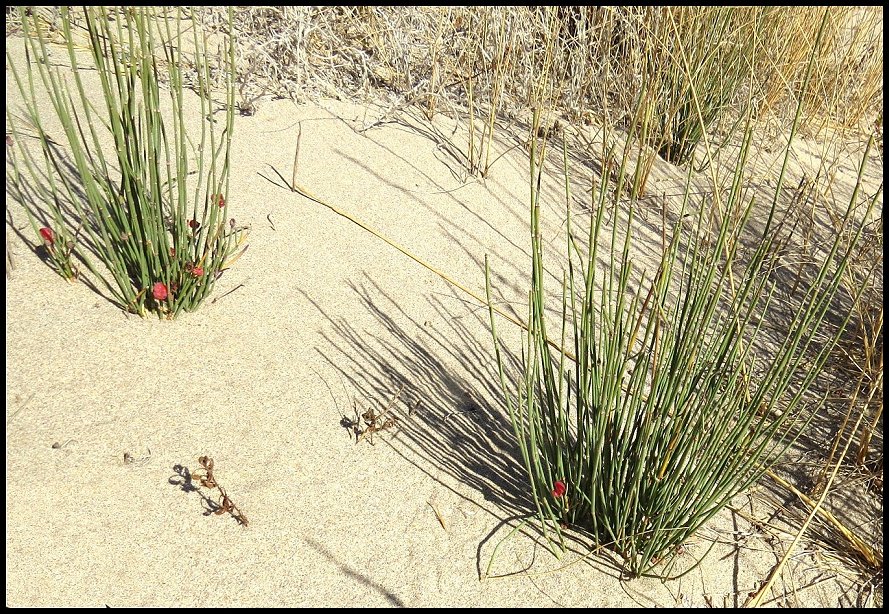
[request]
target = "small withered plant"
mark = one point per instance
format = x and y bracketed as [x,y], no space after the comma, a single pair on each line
[208,480]
[156,211]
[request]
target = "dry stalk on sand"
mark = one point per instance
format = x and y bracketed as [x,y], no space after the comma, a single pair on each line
[208,480]
[374,422]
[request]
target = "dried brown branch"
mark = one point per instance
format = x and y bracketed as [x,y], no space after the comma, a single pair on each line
[208,480]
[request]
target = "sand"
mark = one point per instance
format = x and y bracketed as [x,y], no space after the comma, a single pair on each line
[318,318]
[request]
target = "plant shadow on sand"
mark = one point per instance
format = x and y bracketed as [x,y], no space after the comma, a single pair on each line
[453,422]
[32,195]
[450,411]
[359,577]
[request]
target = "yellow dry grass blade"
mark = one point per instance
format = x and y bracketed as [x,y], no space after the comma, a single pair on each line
[873,557]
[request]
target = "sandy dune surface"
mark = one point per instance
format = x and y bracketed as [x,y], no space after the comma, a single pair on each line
[317,320]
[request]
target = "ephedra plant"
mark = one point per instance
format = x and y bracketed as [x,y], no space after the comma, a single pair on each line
[665,404]
[155,212]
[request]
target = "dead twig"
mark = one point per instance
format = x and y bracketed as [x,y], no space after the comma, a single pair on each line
[374,422]
[438,515]
[208,480]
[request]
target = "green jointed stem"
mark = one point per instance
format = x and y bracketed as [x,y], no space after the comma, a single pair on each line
[160,252]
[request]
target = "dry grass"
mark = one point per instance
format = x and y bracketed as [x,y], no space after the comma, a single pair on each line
[848,82]
[584,61]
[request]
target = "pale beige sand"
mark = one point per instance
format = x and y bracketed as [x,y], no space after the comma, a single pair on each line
[315,302]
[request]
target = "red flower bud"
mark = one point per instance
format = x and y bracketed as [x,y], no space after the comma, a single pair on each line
[159,291]
[194,224]
[197,271]
[559,489]
[218,199]
[48,235]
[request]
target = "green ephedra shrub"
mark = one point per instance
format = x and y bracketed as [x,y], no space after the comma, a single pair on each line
[662,410]
[155,211]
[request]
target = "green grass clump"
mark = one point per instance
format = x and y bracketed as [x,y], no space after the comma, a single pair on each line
[157,216]
[685,50]
[666,407]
